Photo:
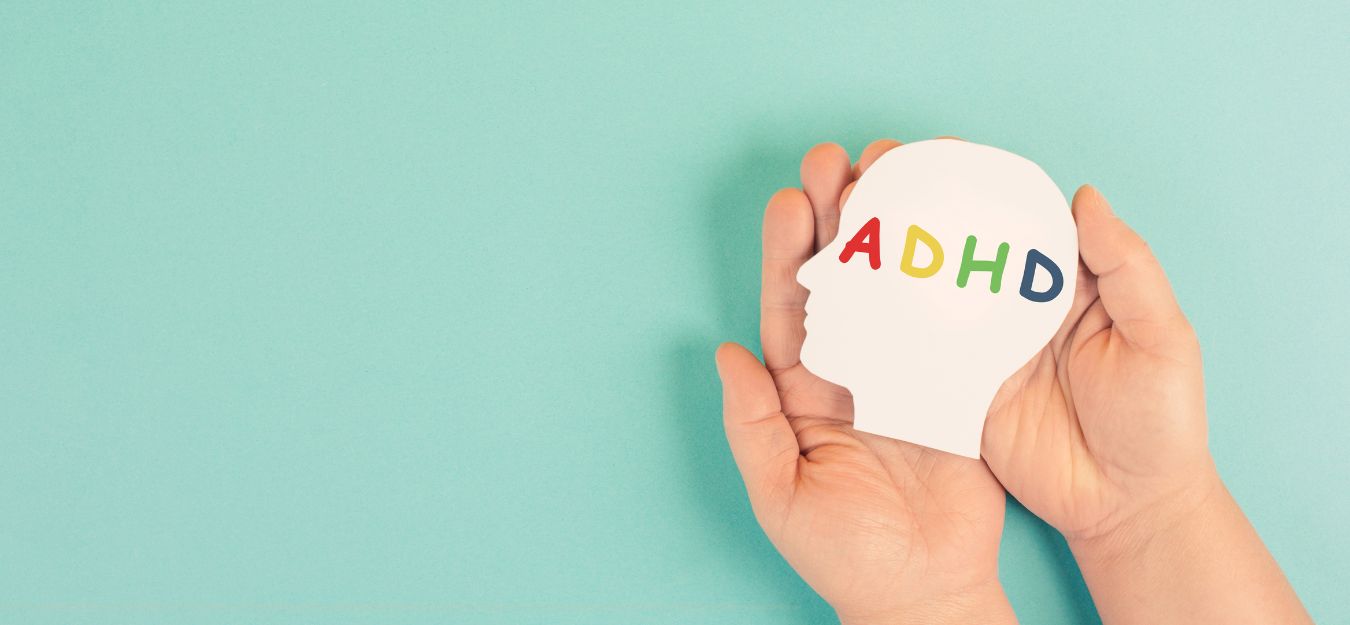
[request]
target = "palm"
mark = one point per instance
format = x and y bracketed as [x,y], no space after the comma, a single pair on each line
[1048,429]
[905,517]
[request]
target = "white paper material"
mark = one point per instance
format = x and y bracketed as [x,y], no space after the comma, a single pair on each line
[923,356]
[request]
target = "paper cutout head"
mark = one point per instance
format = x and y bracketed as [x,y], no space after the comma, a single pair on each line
[955,262]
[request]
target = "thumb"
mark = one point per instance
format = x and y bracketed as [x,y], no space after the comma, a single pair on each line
[761,439]
[1130,281]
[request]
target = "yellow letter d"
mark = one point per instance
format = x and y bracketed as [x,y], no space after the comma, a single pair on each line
[914,235]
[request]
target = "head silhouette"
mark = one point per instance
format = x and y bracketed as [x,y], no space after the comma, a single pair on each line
[954,263]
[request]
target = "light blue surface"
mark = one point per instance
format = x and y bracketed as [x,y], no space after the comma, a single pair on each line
[404,313]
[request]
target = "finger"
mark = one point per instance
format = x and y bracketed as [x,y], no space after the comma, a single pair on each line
[1130,281]
[871,153]
[1084,295]
[788,242]
[760,437]
[825,171]
[843,197]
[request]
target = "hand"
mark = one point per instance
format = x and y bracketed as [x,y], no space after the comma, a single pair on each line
[1103,435]
[884,530]
[1105,427]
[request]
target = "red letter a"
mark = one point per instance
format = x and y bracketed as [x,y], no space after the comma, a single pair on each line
[867,240]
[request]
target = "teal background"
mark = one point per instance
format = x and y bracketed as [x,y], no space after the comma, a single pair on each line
[404,313]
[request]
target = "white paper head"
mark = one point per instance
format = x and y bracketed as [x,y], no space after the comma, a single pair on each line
[923,356]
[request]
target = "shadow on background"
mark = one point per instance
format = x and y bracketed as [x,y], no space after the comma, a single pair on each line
[744,181]
[733,210]
[1040,549]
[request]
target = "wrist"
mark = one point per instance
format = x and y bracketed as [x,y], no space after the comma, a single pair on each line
[1159,524]
[983,603]
[1196,556]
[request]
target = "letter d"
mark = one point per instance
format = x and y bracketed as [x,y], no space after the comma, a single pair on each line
[912,237]
[1035,258]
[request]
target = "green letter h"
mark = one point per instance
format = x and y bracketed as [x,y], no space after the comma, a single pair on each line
[969,264]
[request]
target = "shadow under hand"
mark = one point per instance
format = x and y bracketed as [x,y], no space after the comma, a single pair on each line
[1039,573]
[769,158]
[733,212]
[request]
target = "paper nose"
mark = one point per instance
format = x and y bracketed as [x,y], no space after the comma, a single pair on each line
[806,275]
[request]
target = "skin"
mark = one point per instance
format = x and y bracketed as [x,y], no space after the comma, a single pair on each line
[886,531]
[1102,434]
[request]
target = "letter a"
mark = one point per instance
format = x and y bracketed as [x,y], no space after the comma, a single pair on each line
[867,240]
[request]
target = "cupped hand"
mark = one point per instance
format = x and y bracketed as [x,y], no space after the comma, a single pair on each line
[1103,432]
[884,530]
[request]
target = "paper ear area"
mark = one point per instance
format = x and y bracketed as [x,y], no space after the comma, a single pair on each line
[944,412]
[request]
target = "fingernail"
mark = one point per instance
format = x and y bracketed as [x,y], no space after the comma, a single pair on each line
[1089,193]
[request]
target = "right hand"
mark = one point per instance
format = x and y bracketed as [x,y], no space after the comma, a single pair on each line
[1102,434]
[884,530]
